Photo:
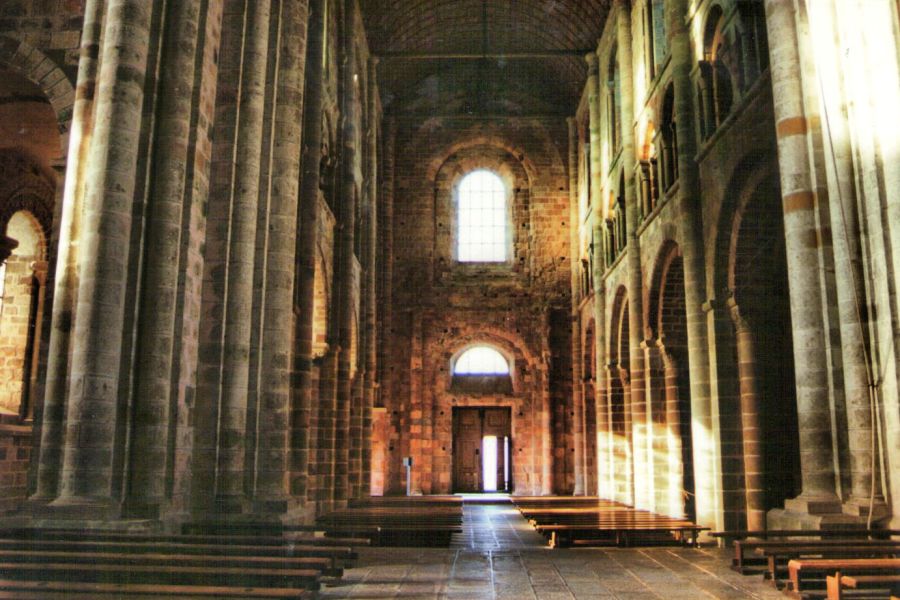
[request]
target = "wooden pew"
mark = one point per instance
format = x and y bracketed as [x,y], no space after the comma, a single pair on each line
[837,582]
[70,590]
[743,563]
[414,520]
[777,556]
[566,520]
[801,571]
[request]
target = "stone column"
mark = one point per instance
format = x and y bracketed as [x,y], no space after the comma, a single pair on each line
[793,117]
[156,325]
[577,353]
[386,242]
[640,408]
[673,438]
[371,299]
[599,300]
[94,377]
[54,409]
[39,272]
[852,298]
[754,484]
[302,444]
[271,491]
[229,493]
[705,429]
[350,103]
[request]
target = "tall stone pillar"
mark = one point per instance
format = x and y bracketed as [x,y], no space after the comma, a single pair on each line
[92,413]
[852,298]
[577,353]
[156,325]
[350,103]
[707,469]
[386,243]
[271,491]
[303,445]
[229,492]
[371,299]
[643,421]
[604,437]
[794,117]
[754,485]
[673,421]
[66,278]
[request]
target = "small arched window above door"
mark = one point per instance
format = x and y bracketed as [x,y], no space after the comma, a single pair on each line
[481,369]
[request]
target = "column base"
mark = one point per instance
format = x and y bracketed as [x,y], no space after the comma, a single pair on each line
[812,512]
[859,507]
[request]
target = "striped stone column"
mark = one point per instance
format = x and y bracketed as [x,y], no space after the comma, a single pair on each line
[386,243]
[229,491]
[271,471]
[793,118]
[156,325]
[66,278]
[92,414]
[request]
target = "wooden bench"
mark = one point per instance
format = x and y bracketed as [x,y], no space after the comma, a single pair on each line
[566,520]
[801,571]
[161,574]
[765,534]
[890,584]
[744,563]
[408,521]
[777,556]
[43,563]
[73,590]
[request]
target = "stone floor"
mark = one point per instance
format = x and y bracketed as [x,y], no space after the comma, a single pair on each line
[500,556]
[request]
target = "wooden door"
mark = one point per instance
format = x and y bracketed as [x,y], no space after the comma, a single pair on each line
[470,426]
[467,424]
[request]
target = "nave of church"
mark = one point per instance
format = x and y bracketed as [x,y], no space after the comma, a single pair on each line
[262,259]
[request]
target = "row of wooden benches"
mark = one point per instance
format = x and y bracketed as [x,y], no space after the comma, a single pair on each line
[568,520]
[78,565]
[403,520]
[813,563]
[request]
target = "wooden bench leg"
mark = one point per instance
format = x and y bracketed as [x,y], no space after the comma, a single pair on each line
[833,586]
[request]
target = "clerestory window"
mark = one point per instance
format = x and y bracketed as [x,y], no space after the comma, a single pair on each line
[482,218]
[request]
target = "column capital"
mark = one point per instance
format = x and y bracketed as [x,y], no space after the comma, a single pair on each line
[592,62]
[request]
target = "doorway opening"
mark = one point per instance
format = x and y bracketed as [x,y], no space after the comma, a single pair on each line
[481,450]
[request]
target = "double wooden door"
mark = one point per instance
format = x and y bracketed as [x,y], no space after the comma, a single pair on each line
[473,428]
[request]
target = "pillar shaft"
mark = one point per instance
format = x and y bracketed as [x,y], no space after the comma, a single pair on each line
[156,327]
[271,489]
[799,195]
[754,484]
[673,418]
[705,430]
[637,368]
[371,299]
[54,409]
[241,258]
[386,242]
[94,377]
[577,353]
[303,444]
[347,242]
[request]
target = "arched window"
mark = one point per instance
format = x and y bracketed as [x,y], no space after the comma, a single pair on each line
[482,218]
[715,78]
[655,43]
[481,360]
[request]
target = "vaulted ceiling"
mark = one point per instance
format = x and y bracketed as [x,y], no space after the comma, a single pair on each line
[482,57]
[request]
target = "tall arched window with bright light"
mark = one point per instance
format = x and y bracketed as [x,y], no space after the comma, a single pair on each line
[481,360]
[481,218]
